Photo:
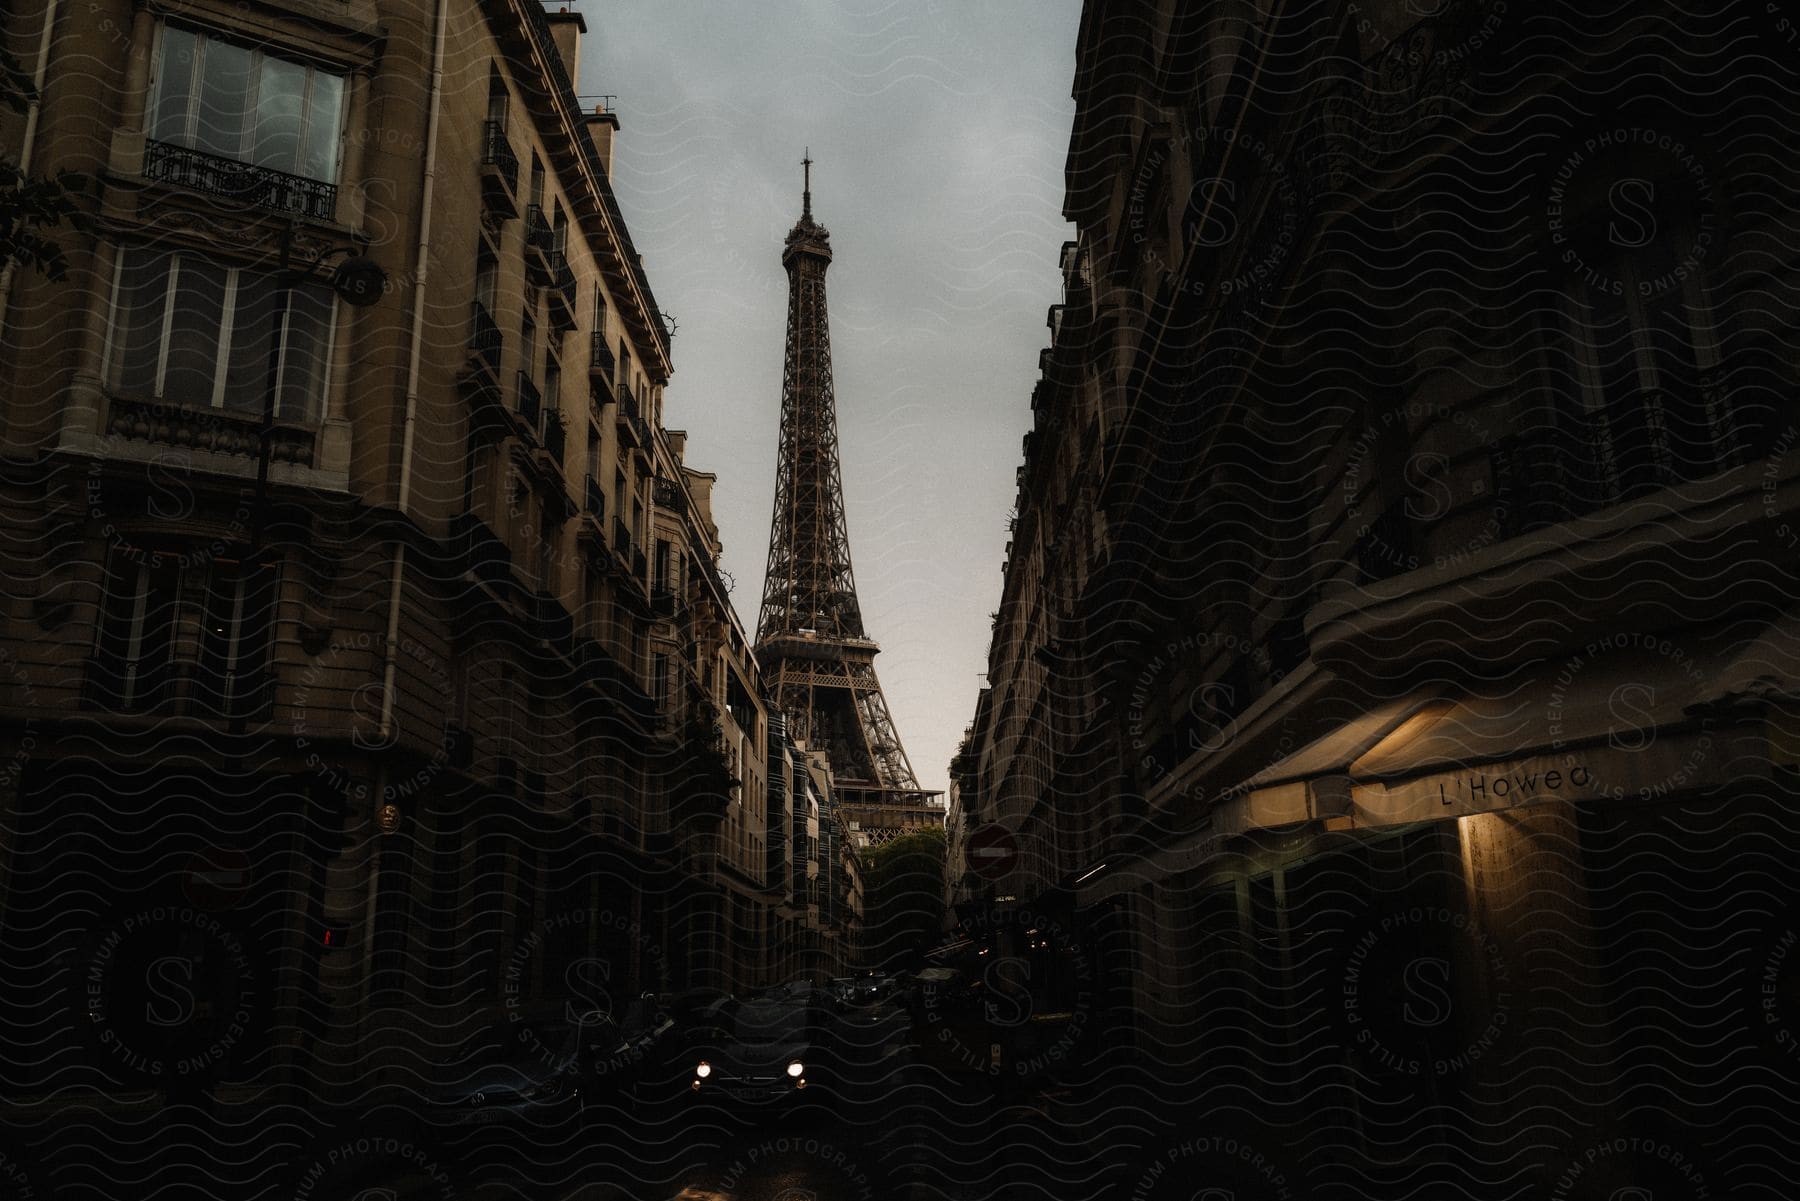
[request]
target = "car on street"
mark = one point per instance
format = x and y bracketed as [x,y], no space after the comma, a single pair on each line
[525,1074]
[789,1048]
[870,1050]
[762,1053]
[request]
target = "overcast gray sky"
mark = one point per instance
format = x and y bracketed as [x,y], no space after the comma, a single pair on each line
[938,131]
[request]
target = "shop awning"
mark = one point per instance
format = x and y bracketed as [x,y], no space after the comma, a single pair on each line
[1631,716]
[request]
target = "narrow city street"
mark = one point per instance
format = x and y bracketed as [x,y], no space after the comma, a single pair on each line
[899,600]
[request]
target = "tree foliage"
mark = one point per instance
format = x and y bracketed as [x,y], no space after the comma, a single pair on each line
[31,208]
[903,896]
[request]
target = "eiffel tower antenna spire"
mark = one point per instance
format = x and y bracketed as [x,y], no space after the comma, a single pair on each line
[816,656]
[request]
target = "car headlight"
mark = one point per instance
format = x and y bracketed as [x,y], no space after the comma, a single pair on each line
[703,1069]
[796,1068]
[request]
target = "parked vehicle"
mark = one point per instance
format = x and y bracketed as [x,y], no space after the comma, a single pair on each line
[870,1050]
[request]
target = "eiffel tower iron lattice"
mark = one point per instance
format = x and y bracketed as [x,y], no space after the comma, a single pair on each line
[816,655]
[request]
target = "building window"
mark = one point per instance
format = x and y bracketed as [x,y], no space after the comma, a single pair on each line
[1648,399]
[134,636]
[487,285]
[546,547]
[139,627]
[663,581]
[236,102]
[197,332]
[240,601]
[659,680]
[528,348]
[498,104]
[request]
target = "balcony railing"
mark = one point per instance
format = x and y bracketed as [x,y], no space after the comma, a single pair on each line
[474,548]
[497,154]
[561,294]
[600,360]
[613,679]
[670,497]
[542,255]
[240,182]
[531,403]
[621,538]
[540,235]
[630,421]
[590,529]
[555,435]
[484,338]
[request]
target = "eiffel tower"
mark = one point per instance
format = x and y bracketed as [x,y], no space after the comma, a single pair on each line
[816,656]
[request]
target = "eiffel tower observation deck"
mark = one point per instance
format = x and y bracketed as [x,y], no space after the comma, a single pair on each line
[818,659]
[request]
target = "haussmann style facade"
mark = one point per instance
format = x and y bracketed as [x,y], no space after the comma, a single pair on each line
[1393,689]
[365,648]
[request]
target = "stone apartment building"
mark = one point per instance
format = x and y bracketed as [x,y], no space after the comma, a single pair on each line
[1393,686]
[813,871]
[365,647]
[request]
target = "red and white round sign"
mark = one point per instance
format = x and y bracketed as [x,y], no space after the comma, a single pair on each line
[991,852]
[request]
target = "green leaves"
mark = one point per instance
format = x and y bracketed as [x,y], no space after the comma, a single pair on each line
[31,208]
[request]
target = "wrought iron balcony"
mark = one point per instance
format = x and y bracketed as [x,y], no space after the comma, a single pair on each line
[555,435]
[590,530]
[670,497]
[542,255]
[530,404]
[499,170]
[613,679]
[239,182]
[474,548]
[630,422]
[561,293]
[554,624]
[600,360]
[540,235]
[1385,547]
[480,377]
[484,339]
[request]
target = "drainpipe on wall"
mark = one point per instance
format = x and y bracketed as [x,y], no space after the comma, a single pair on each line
[422,260]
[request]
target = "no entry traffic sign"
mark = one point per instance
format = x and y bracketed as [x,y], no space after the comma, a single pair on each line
[992,851]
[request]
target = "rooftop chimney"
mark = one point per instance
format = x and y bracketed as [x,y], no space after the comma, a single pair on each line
[603,127]
[567,27]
